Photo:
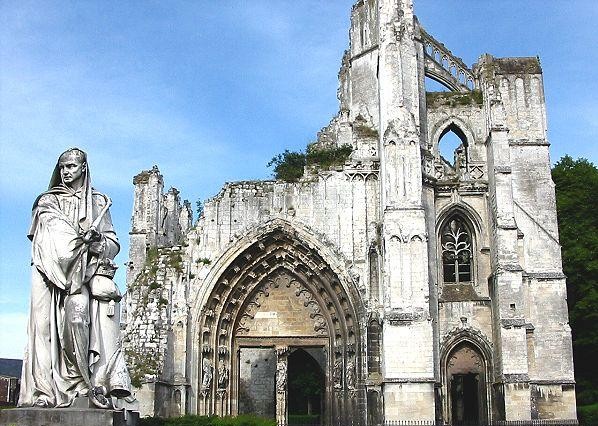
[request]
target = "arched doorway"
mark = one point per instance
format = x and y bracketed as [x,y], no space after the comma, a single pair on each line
[278,297]
[466,385]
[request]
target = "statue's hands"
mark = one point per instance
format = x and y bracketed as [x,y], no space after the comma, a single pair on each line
[91,236]
[98,247]
[94,240]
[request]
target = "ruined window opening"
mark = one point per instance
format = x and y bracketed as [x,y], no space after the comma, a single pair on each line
[453,147]
[457,251]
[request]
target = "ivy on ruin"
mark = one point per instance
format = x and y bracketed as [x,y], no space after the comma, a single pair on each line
[147,288]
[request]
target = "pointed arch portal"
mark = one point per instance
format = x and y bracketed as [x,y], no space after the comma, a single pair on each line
[466,372]
[278,298]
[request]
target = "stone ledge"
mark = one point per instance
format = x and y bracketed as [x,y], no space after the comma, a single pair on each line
[66,417]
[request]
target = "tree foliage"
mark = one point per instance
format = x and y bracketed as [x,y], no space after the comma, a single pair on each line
[577,207]
[289,165]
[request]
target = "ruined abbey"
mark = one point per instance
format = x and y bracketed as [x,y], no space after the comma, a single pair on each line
[399,285]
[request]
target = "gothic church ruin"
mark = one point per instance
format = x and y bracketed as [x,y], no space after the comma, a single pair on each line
[400,285]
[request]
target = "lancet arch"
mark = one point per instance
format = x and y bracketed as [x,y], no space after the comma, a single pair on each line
[459,233]
[466,375]
[278,293]
[450,124]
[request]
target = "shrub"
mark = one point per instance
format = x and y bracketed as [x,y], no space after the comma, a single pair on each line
[189,420]
[289,165]
[151,421]
[588,414]
[328,157]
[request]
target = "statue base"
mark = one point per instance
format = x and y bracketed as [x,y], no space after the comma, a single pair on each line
[67,417]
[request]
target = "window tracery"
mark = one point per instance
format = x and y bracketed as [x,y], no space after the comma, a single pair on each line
[457,251]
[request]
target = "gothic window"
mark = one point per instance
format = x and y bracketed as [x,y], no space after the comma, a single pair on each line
[452,146]
[456,251]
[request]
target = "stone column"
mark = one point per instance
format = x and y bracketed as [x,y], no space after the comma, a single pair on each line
[282,365]
[408,363]
[222,388]
[507,280]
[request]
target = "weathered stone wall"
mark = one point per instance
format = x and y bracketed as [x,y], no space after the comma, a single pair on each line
[257,394]
[341,208]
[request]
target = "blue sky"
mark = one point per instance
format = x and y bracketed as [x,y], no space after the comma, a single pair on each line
[210,90]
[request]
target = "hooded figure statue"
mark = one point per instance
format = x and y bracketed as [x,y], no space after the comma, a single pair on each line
[74,347]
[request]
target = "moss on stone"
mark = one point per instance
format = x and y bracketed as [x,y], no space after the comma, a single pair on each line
[141,364]
[365,131]
[454,99]
[289,166]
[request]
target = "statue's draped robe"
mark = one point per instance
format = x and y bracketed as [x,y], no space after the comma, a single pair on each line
[66,332]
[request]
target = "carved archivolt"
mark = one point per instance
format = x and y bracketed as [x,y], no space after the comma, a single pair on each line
[467,334]
[277,263]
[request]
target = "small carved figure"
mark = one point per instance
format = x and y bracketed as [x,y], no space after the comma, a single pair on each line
[281,377]
[207,375]
[337,373]
[222,375]
[350,375]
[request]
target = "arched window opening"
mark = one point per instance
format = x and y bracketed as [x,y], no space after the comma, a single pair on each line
[452,147]
[457,251]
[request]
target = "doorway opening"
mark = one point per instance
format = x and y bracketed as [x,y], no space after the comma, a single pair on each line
[465,399]
[467,386]
[306,386]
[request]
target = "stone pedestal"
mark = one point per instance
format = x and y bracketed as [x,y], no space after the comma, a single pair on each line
[66,417]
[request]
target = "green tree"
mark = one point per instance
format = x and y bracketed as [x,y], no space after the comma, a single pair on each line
[199,207]
[288,166]
[577,207]
[307,385]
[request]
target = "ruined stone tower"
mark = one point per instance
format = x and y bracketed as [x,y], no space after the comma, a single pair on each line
[407,285]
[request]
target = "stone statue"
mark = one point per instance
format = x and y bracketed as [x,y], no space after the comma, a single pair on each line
[222,375]
[281,377]
[208,374]
[74,346]
[337,373]
[351,375]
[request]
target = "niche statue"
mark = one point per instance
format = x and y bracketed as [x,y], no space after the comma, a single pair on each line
[74,345]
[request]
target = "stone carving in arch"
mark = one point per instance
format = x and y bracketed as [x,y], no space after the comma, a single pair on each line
[309,237]
[470,334]
[279,263]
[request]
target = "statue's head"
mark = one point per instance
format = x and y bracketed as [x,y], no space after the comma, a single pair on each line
[72,165]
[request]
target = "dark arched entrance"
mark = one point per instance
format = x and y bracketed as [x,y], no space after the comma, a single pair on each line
[307,383]
[466,379]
